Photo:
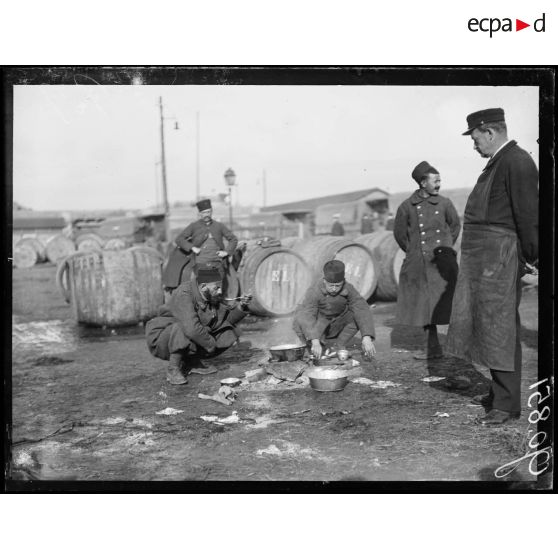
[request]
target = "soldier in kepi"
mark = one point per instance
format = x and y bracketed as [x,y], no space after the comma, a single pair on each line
[500,244]
[332,312]
[194,325]
[426,227]
[200,243]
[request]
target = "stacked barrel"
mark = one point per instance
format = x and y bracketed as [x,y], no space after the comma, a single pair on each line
[28,251]
[390,258]
[360,265]
[275,276]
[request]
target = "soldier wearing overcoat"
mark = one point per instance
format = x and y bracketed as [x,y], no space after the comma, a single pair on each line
[194,323]
[200,243]
[426,227]
[332,312]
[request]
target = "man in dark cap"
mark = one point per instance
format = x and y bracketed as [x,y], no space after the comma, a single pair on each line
[426,227]
[332,312]
[200,243]
[337,228]
[195,323]
[366,226]
[500,244]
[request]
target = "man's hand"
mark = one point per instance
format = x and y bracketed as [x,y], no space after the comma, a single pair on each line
[316,349]
[222,254]
[196,250]
[531,269]
[368,347]
[245,301]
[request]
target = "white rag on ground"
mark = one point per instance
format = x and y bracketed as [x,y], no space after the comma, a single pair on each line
[375,384]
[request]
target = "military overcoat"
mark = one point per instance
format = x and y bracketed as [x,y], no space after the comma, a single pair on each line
[421,225]
[195,234]
[319,310]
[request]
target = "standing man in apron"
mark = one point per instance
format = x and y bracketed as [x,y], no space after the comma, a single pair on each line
[500,244]
[426,227]
[200,243]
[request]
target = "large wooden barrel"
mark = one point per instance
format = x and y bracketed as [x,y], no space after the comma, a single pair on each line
[24,255]
[277,279]
[390,258]
[28,251]
[112,288]
[58,248]
[360,266]
[89,241]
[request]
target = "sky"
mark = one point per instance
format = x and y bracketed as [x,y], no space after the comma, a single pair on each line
[81,147]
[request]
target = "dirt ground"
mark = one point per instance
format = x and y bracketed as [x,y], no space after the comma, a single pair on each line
[85,405]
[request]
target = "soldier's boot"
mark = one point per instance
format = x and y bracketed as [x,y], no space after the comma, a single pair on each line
[193,364]
[174,375]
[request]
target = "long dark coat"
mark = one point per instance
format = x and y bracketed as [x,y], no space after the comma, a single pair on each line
[500,234]
[195,234]
[421,225]
[188,322]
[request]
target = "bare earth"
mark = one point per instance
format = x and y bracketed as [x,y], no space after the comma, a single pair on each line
[85,403]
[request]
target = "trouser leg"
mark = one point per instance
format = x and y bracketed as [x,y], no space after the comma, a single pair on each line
[346,334]
[432,342]
[506,385]
[506,391]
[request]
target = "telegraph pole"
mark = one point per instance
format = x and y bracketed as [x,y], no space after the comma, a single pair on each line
[164,174]
[264,186]
[197,155]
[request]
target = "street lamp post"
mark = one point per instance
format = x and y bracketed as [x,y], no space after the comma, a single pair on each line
[230,178]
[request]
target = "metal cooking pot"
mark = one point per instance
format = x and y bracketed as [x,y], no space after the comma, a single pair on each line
[288,352]
[327,379]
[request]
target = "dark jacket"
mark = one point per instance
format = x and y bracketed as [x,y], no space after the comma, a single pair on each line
[514,198]
[421,225]
[337,229]
[195,234]
[199,322]
[318,309]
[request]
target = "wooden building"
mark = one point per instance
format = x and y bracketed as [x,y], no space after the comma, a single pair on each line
[42,225]
[314,216]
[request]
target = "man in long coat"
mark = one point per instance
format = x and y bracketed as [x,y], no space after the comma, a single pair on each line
[195,323]
[426,227]
[200,243]
[500,244]
[337,228]
[332,312]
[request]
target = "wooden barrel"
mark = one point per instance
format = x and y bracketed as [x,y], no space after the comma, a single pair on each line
[289,241]
[28,251]
[89,241]
[112,288]
[277,279]
[58,248]
[390,258]
[360,266]
[115,244]
[24,255]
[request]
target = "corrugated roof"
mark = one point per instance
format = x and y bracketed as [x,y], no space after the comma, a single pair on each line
[35,220]
[311,204]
